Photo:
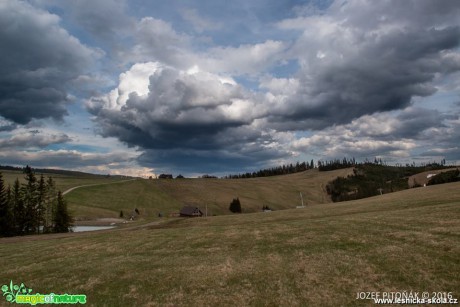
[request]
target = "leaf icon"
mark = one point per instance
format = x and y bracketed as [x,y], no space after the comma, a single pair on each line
[4,288]
[16,287]
[30,290]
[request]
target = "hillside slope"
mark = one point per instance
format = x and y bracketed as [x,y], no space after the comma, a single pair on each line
[421,179]
[154,196]
[278,192]
[317,256]
[64,179]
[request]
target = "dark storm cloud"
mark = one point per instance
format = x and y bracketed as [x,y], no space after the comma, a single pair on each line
[417,14]
[209,161]
[413,122]
[384,134]
[7,125]
[384,75]
[180,110]
[37,60]
[188,120]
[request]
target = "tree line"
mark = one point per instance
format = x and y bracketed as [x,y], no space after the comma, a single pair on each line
[275,171]
[33,207]
[351,162]
[338,164]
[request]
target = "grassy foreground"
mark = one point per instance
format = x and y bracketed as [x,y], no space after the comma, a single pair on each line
[318,256]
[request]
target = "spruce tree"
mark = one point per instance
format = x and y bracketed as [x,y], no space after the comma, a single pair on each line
[40,204]
[6,221]
[19,211]
[50,204]
[30,197]
[235,206]
[62,220]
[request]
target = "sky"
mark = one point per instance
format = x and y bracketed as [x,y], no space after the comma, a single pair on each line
[146,87]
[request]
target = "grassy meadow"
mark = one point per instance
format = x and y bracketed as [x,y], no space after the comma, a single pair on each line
[107,200]
[63,182]
[154,196]
[98,198]
[321,255]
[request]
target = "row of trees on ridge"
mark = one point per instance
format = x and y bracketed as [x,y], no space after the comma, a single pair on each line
[275,171]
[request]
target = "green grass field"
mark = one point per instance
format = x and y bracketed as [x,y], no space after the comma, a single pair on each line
[318,256]
[63,182]
[104,200]
[154,196]
[107,200]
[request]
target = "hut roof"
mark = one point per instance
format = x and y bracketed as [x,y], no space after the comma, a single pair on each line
[190,211]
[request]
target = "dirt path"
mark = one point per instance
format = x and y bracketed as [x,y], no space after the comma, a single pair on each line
[94,184]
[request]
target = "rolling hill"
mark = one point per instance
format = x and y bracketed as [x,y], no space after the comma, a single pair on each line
[169,195]
[316,256]
[99,198]
[421,179]
[64,179]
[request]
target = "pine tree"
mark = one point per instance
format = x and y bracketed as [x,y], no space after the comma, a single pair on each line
[30,197]
[40,204]
[17,204]
[62,220]
[50,204]
[6,221]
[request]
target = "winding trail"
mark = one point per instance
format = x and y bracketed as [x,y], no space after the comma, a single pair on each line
[94,184]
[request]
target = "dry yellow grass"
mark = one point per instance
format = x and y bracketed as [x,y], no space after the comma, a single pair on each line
[278,192]
[318,256]
[63,182]
[154,196]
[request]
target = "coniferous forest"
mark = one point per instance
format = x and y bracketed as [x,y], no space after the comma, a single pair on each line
[371,179]
[275,171]
[33,207]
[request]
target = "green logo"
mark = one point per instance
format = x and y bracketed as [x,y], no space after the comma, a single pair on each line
[20,294]
[14,290]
